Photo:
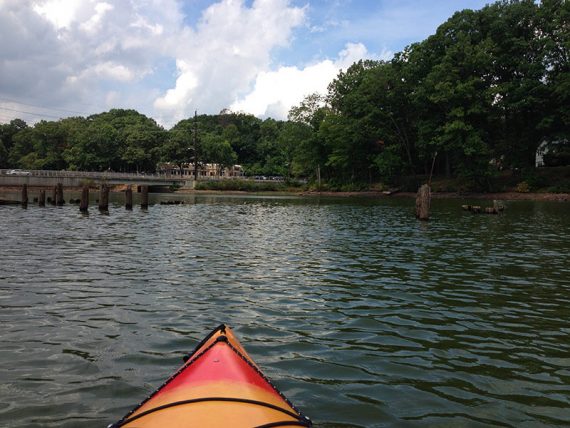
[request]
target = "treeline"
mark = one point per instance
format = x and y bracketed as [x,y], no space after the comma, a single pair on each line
[479,95]
[125,140]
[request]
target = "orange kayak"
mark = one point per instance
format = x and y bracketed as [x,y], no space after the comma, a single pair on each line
[219,385]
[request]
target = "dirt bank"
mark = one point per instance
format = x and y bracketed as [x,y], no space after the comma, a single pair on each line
[505,196]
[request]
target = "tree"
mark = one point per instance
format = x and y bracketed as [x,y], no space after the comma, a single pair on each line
[7,134]
[178,147]
[94,148]
[313,152]
[294,141]
[517,80]
[217,150]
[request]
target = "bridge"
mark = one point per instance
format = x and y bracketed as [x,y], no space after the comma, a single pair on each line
[46,178]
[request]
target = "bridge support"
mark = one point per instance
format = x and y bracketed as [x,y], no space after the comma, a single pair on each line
[25,196]
[84,204]
[129,198]
[104,198]
[144,197]
[59,194]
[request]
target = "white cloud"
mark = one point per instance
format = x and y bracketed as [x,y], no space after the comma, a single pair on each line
[219,61]
[275,92]
[92,55]
[60,13]
[72,53]
[94,23]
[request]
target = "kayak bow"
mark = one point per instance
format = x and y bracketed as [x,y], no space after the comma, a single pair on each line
[219,385]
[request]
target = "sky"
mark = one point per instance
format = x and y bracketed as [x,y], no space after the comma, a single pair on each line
[169,58]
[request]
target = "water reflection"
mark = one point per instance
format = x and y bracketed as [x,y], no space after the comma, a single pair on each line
[363,316]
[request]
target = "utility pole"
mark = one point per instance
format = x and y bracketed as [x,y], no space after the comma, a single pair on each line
[195,145]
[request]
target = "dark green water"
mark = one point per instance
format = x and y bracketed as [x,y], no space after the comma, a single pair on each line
[361,315]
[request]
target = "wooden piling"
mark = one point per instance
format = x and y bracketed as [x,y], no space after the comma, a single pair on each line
[104,198]
[59,195]
[84,203]
[129,198]
[144,197]
[53,196]
[423,200]
[25,195]
[42,198]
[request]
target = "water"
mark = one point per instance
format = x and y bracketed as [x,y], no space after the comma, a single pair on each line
[361,315]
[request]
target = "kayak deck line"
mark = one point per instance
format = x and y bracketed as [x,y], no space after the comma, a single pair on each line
[225,399]
[238,378]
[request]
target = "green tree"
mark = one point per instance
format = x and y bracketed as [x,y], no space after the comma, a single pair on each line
[217,150]
[7,133]
[452,100]
[312,153]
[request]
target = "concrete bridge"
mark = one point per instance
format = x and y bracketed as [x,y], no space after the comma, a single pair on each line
[44,178]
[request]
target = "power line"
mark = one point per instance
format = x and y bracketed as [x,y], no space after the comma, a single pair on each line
[32,113]
[6,117]
[45,108]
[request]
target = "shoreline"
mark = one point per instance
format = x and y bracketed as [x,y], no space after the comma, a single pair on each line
[505,196]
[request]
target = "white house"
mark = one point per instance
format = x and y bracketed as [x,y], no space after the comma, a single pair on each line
[544,148]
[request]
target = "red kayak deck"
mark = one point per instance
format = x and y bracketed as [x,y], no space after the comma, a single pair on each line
[218,386]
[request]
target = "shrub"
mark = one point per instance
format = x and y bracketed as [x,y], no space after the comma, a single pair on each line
[240,185]
[522,187]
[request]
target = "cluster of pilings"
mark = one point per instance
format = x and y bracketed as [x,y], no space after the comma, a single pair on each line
[477,209]
[103,201]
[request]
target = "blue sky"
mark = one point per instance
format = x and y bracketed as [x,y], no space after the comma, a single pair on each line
[167,58]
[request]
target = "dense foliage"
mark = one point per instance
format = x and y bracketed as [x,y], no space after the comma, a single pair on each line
[479,95]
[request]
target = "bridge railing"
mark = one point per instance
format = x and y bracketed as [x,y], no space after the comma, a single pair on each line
[90,174]
[128,176]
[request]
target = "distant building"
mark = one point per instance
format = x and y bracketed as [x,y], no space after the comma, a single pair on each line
[208,170]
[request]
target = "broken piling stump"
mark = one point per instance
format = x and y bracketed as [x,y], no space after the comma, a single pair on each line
[84,203]
[129,198]
[104,198]
[144,197]
[423,200]
[42,198]
[25,195]
[59,194]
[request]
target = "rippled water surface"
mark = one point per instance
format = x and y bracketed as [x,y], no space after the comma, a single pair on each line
[361,315]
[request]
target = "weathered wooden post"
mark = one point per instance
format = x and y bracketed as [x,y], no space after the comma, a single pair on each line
[42,198]
[59,194]
[423,200]
[104,197]
[54,195]
[25,195]
[144,197]
[498,206]
[129,198]
[84,204]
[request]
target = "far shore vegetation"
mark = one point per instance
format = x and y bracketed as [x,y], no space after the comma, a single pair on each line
[472,104]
